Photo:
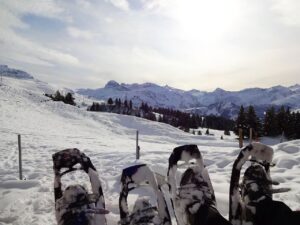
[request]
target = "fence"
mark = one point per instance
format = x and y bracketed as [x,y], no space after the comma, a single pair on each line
[20,148]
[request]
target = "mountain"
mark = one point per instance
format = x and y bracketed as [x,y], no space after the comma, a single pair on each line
[153,94]
[218,102]
[10,72]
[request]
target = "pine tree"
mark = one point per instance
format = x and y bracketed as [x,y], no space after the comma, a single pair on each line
[110,101]
[241,121]
[252,121]
[297,125]
[207,131]
[282,119]
[270,123]
[116,102]
[227,132]
[58,96]
[69,99]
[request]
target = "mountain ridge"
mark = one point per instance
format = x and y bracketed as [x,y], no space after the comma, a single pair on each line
[218,102]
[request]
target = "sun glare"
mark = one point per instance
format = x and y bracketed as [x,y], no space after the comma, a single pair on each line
[207,20]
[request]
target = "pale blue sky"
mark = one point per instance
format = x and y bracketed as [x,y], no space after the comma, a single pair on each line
[187,44]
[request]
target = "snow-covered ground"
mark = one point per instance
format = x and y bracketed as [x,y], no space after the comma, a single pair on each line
[109,140]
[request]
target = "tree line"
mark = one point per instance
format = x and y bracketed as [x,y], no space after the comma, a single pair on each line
[57,96]
[274,123]
[176,118]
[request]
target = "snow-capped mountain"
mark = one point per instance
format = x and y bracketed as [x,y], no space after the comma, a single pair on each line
[10,72]
[153,94]
[218,102]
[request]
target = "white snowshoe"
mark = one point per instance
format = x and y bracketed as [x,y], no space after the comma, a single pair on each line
[143,212]
[195,191]
[75,205]
[256,184]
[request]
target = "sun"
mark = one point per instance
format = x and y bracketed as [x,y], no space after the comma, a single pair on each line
[205,20]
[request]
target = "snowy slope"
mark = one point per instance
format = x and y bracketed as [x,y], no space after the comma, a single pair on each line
[218,102]
[109,140]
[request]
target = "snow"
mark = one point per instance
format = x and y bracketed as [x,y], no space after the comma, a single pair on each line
[109,140]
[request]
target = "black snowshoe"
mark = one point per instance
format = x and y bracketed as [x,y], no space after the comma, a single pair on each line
[75,205]
[143,212]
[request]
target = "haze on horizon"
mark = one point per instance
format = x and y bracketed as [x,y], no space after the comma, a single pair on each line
[187,44]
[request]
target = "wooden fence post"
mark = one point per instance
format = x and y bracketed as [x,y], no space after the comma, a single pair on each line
[20,157]
[251,135]
[240,137]
[137,145]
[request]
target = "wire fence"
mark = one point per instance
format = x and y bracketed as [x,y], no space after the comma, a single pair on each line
[19,134]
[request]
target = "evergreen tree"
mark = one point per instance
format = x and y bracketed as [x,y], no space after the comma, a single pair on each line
[297,126]
[58,96]
[227,132]
[110,101]
[192,121]
[130,104]
[116,102]
[289,124]
[252,121]
[69,99]
[241,122]
[281,118]
[270,123]
[207,131]
[160,118]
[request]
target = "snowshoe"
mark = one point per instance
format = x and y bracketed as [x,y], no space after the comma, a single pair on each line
[75,205]
[195,190]
[143,212]
[259,171]
[256,185]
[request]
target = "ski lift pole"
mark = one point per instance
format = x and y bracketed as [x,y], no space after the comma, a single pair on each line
[137,145]
[20,157]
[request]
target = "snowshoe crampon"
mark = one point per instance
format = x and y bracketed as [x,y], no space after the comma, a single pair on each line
[195,188]
[75,205]
[143,212]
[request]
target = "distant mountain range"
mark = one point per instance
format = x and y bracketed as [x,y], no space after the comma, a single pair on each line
[218,102]
[10,72]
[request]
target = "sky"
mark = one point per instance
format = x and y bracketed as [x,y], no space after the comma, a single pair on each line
[187,44]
